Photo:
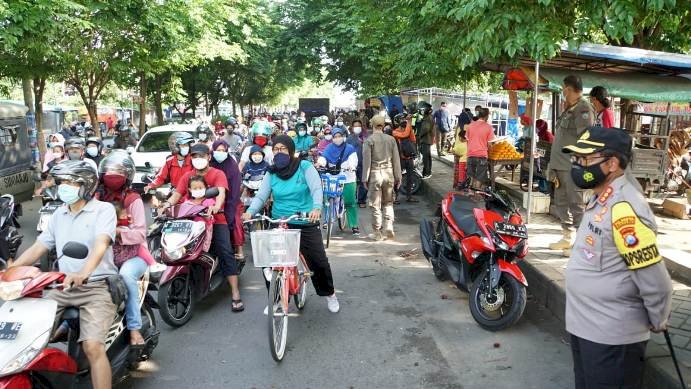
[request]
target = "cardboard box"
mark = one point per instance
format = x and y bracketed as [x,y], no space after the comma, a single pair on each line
[678,208]
[540,202]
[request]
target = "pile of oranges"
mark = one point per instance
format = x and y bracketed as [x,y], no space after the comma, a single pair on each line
[504,150]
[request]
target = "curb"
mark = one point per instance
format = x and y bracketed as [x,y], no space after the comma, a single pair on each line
[547,286]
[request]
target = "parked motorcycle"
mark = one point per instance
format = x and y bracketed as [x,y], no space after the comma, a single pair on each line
[191,274]
[476,242]
[26,323]
[415,176]
[50,203]
[10,238]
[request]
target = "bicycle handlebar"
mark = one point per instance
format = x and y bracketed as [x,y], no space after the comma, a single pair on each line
[297,216]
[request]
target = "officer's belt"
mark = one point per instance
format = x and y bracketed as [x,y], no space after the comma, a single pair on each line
[381,167]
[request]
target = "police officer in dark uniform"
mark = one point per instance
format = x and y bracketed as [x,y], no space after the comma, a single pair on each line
[617,287]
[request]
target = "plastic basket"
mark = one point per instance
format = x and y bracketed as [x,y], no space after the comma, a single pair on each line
[333,185]
[277,247]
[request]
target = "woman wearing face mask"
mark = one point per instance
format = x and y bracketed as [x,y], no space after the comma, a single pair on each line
[57,156]
[116,172]
[343,155]
[56,151]
[356,139]
[93,149]
[303,141]
[326,141]
[233,207]
[220,244]
[296,187]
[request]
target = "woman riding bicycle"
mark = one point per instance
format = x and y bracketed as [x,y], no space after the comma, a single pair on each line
[343,157]
[296,187]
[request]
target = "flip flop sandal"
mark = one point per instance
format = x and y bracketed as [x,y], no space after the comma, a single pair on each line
[235,308]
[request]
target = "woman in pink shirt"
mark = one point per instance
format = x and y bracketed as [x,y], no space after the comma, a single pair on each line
[599,98]
[130,251]
[479,134]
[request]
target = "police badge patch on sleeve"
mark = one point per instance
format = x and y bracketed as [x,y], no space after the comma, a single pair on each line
[635,241]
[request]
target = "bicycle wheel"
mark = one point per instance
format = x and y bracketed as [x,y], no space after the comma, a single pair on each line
[278,318]
[329,221]
[301,297]
[341,214]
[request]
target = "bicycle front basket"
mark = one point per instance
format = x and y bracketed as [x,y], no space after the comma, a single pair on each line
[277,247]
[333,185]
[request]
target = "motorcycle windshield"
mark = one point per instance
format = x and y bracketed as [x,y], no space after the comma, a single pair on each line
[24,323]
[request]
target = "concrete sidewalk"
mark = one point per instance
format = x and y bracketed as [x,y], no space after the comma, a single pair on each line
[544,269]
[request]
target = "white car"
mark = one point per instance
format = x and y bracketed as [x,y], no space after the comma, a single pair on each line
[152,149]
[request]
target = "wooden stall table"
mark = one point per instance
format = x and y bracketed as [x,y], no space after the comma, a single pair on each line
[501,163]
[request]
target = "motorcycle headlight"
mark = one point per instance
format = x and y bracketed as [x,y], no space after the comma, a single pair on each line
[25,356]
[498,242]
[11,290]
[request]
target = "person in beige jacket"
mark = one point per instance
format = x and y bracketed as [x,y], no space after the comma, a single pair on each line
[381,175]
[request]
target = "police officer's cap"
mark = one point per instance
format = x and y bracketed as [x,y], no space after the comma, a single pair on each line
[377,120]
[596,139]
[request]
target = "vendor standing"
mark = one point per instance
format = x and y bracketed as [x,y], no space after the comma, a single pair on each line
[568,198]
[617,287]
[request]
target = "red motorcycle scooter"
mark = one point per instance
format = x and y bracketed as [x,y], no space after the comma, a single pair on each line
[26,327]
[476,242]
[191,273]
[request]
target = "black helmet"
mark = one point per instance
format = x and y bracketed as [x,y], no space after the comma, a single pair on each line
[399,119]
[117,161]
[80,172]
[424,107]
[204,129]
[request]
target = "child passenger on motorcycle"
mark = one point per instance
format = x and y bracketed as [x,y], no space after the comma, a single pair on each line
[197,190]
[257,166]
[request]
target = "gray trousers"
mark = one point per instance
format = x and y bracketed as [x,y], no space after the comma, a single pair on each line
[568,201]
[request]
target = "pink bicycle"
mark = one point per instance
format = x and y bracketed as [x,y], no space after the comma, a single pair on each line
[278,249]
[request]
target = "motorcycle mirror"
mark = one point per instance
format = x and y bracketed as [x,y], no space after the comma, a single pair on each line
[148,178]
[75,250]
[147,164]
[211,193]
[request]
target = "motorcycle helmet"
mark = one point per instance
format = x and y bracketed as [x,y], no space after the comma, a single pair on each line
[179,138]
[118,162]
[80,172]
[231,122]
[399,120]
[95,140]
[204,129]
[75,142]
[424,108]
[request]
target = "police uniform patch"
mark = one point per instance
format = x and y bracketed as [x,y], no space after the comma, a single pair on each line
[598,216]
[605,195]
[590,240]
[635,241]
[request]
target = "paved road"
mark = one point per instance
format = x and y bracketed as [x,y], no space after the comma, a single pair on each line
[394,331]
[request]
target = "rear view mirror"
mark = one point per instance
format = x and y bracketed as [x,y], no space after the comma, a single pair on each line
[75,250]
[147,164]
[211,193]
[148,178]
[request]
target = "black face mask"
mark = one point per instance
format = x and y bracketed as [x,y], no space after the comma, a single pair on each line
[588,177]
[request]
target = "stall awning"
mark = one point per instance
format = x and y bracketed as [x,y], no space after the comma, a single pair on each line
[639,87]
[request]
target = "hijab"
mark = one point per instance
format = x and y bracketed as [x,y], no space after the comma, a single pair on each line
[332,153]
[294,164]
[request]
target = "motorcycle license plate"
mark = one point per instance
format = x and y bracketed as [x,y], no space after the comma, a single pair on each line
[517,230]
[9,330]
[179,227]
[50,208]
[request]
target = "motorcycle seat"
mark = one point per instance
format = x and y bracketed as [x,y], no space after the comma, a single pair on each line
[461,209]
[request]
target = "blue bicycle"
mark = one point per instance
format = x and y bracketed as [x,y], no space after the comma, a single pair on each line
[334,208]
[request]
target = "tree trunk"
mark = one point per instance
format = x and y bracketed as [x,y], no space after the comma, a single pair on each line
[158,104]
[233,103]
[142,104]
[27,89]
[39,86]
